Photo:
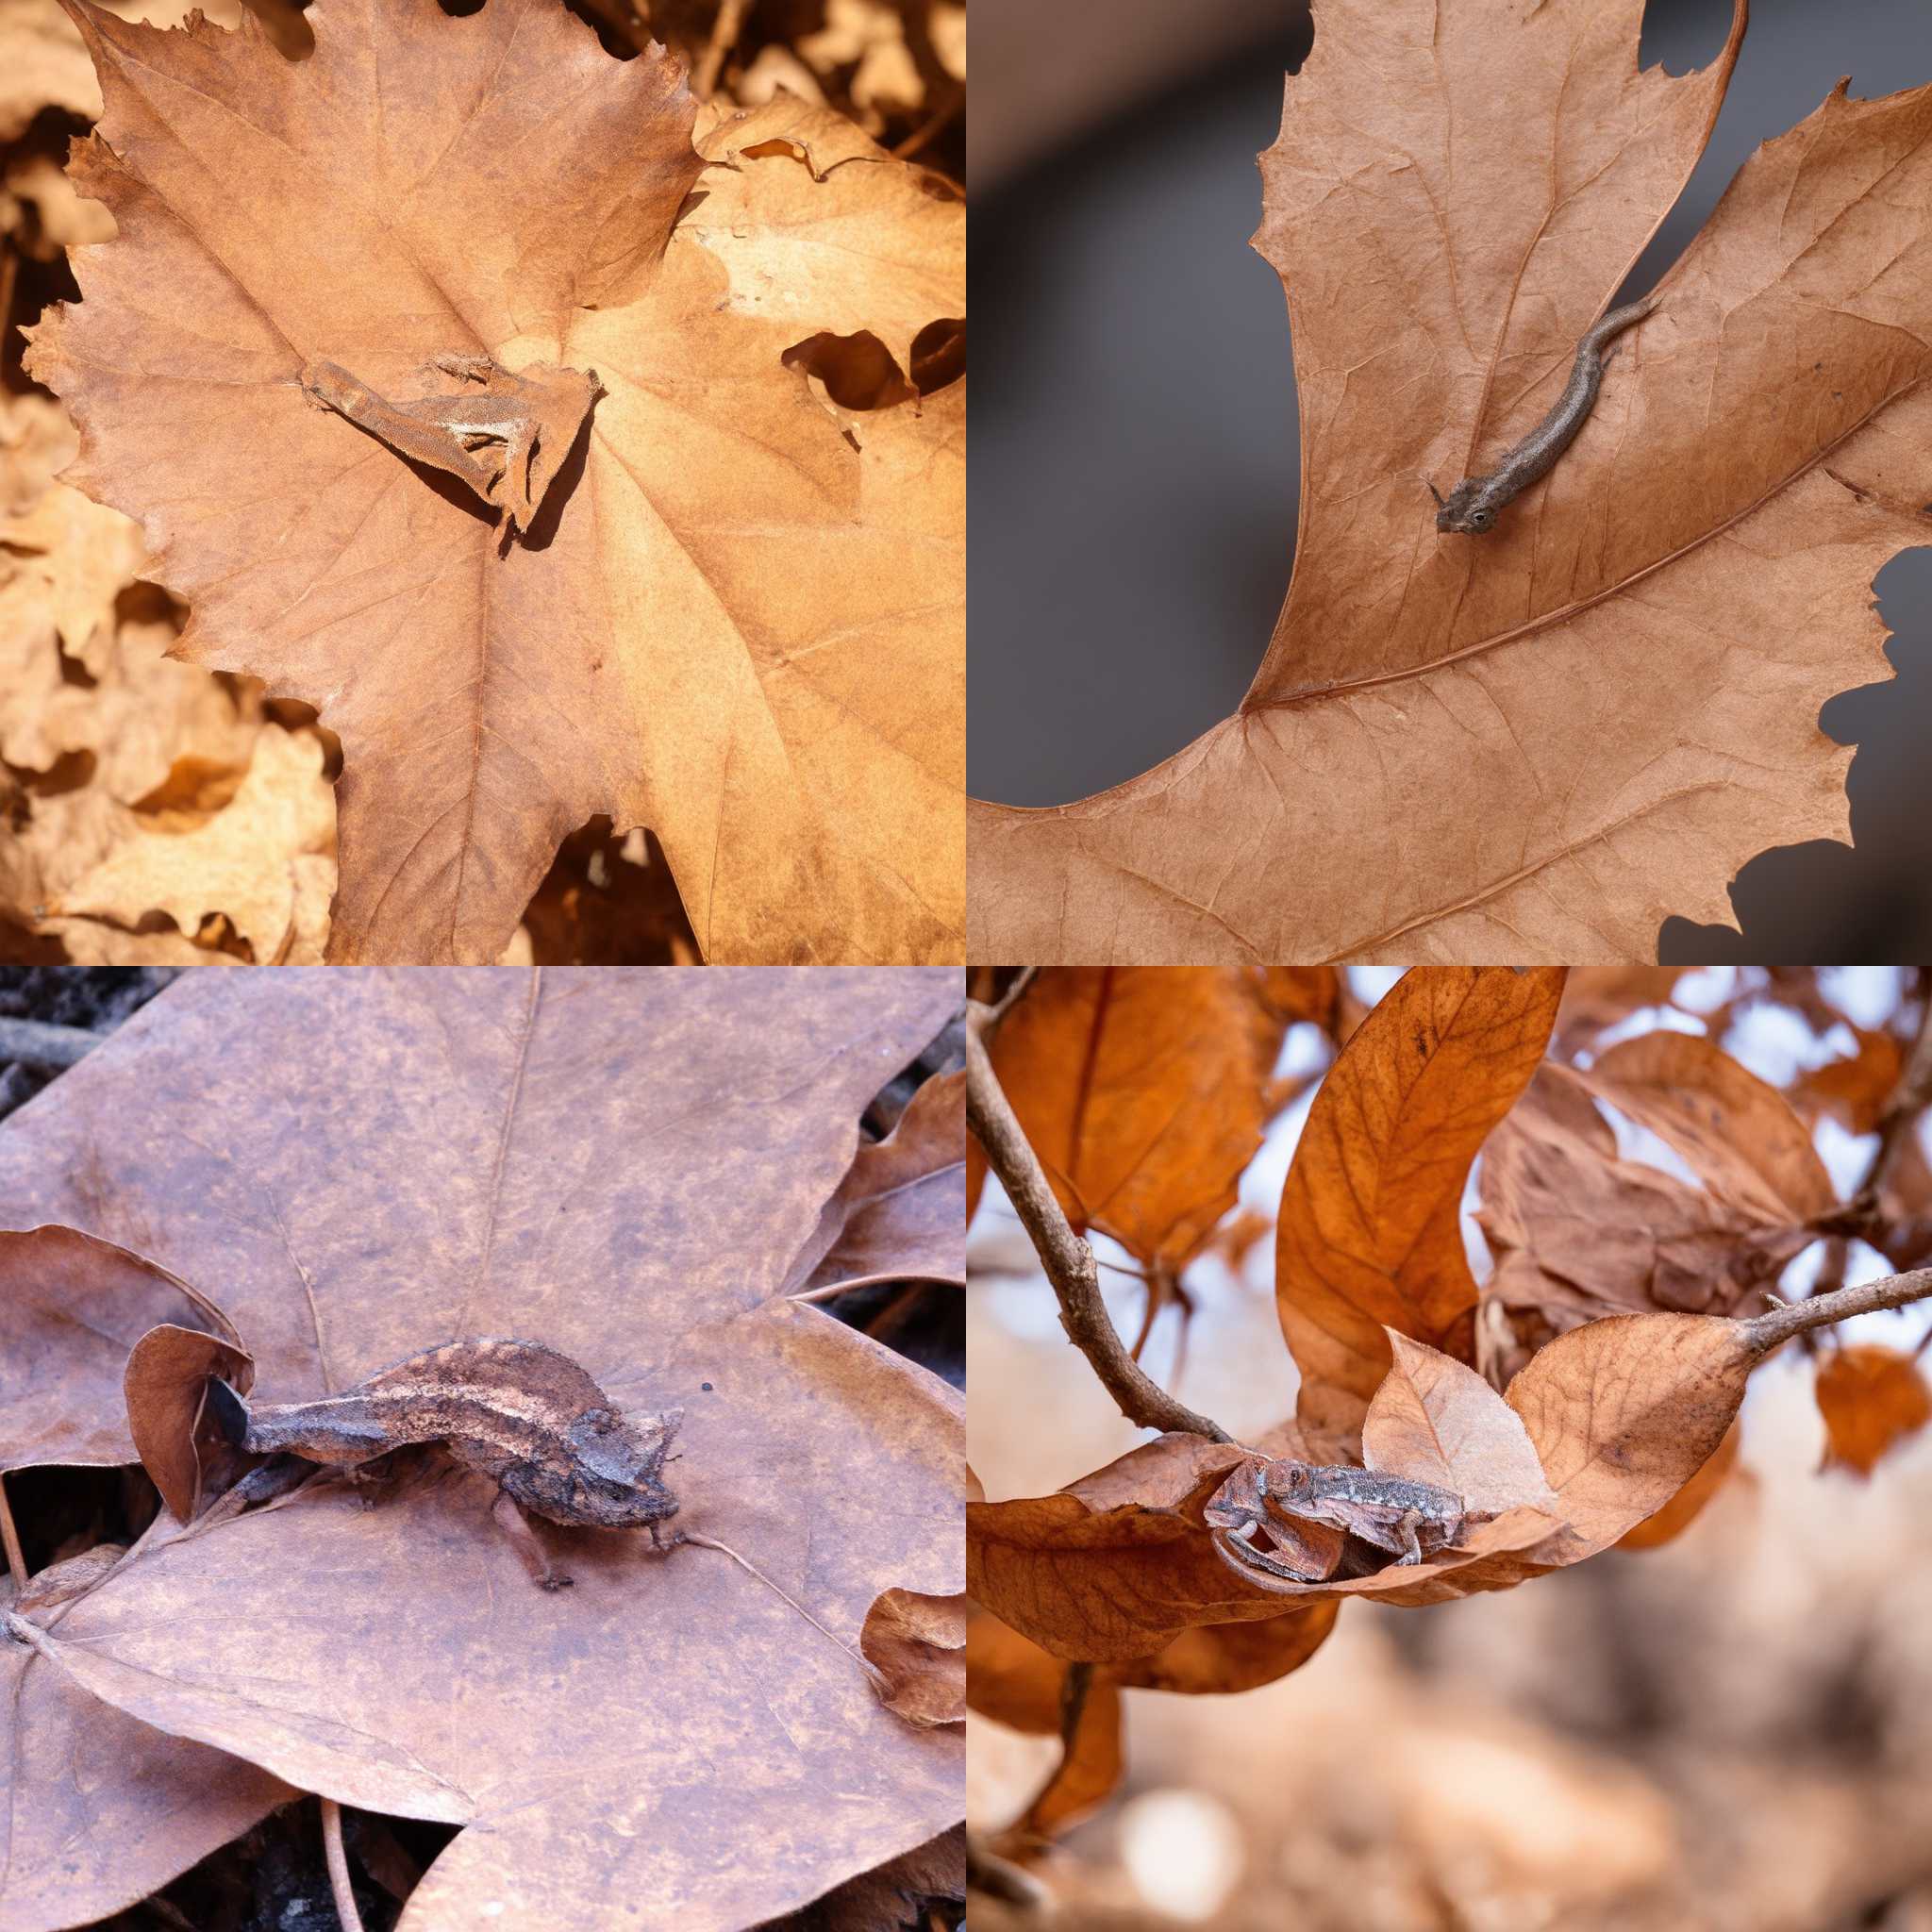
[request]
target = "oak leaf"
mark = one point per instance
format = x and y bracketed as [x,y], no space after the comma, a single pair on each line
[1370,1237]
[1537,743]
[736,614]
[627,1166]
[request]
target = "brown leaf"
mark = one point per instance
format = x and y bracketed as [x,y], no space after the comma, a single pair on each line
[625,1166]
[1687,1505]
[1737,1133]
[1088,1771]
[1622,1413]
[1456,746]
[736,616]
[896,1893]
[918,1645]
[1854,1090]
[166,1387]
[1143,1092]
[1370,1236]
[1872,1398]
[1435,1421]
[1577,1232]
[1221,1658]
[899,1211]
[71,1307]
[1597,997]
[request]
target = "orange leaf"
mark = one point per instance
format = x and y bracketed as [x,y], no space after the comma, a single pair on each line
[1687,1505]
[1370,1236]
[1872,1398]
[1143,1092]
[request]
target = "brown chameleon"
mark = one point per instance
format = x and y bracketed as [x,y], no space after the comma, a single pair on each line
[1410,1518]
[516,1410]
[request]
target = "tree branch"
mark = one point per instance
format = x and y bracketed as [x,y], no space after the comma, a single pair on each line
[1068,1260]
[1767,1331]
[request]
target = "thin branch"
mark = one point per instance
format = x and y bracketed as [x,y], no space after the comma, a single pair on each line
[1909,1097]
[1068,1260]
[724,32]
[16,1562]
[38,1043]
[1769,1331]
[339,1866]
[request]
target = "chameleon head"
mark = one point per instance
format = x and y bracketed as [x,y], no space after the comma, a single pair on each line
[1468,510]
[619,1466]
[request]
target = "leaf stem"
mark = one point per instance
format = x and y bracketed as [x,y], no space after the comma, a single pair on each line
[339,1866]
[708,1542]
[1767,1331]
[1068,1260]
[10,1535]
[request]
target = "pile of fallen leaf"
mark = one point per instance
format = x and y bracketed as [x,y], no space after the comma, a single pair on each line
[306,706]
[1640,1193]
[662,1176]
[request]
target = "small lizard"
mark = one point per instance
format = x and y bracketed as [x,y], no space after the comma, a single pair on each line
[1472,506]
[505,439]
[516,1410]
[1392,1512]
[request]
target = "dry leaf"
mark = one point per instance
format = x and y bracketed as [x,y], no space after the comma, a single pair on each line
[266,862]
[71,1307]
[166,1386]
[898,1892]
[625,1165]
[1872,1398]
[1577,1232]
[1621,1414]
[1854,1090]
[1370,1236]
[900,1211]
[918,1645]
[736,618]
[1540,743]
[1145,1095]
[1687,1505]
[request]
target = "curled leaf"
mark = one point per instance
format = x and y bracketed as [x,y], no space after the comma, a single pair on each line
[166,1386]
[917,1645]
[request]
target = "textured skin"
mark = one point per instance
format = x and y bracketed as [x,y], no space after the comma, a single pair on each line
[516,1410]
[1474,503]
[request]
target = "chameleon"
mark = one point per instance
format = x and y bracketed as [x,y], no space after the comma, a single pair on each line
[516,1410]
[504,437]
[1410,1518]
[1471,508]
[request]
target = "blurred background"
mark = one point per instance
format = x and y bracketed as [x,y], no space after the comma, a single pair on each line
[1135,475]
[1731,1733]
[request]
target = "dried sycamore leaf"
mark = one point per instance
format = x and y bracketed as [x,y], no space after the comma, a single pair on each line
[1872,1398]
[1370,1237]
[734,617]
[1540,743]
[1144,1094]
[625,1165]
[264,861]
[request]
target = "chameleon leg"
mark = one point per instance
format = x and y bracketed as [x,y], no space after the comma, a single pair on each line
[1411,1543]
[523,1539]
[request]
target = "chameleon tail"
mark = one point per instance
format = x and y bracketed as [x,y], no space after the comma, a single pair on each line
[229,1411]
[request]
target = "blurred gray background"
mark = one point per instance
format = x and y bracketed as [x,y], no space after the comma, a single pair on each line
[1134,471]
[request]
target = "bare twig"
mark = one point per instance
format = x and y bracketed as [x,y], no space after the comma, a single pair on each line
[1769,1331]
[724,32]
[40,1043]
[339,1866]
[1909,1097]
[1068,1260]
[16,1562]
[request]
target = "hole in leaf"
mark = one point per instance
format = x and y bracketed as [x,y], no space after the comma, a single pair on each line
[858,370]
[939,354]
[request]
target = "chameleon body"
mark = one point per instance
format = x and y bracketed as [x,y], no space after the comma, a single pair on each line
[1408,1519]
[515,1410]
[1472,506]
